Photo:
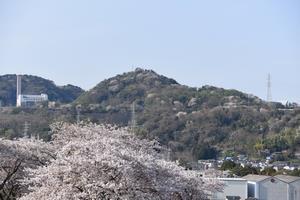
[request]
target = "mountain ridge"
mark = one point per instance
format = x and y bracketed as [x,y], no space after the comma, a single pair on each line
[194,122]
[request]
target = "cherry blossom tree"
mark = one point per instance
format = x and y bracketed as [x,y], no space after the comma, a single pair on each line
[15,156]
[106,162]
[87,161]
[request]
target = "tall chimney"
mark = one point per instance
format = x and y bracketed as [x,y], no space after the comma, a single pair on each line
[19,88]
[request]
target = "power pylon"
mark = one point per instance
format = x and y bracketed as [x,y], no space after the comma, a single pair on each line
[26,128]
[78,110]
[133,120]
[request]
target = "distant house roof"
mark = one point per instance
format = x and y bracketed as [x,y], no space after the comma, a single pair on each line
[288,179]
[255,178]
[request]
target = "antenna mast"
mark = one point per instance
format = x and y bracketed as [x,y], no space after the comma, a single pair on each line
[269,92]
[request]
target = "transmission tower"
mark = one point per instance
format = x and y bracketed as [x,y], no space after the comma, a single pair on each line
[26,128]
[168,154]
[78,114]
[133,120]
[269,91]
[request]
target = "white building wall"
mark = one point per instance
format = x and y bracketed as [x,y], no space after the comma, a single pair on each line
[257,191]
[232,187]
[273,189]
[294,190]
[31,99]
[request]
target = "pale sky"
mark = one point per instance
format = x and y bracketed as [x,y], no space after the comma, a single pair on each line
[225,43]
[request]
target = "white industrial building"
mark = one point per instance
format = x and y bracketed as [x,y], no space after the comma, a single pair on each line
[28,100]
[280,187]
[293,185]
[258,187]
[234,189]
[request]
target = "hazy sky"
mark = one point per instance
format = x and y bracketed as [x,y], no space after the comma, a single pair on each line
[226,43]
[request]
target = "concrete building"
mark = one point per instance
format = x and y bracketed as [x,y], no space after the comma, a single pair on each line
[271,188]
[293,185]
[28,100]
[234,189]
[31,100]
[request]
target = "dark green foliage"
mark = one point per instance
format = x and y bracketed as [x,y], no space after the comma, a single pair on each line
[12,121]
[295,172]
[269,171]
[287,140]
[243,171]
[228,165]
[238,170]
[204,152]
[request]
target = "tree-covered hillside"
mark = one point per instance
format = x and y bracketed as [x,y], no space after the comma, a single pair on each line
[196,123]
[36,85]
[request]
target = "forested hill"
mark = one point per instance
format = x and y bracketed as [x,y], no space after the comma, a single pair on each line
[195,123]
[36,85]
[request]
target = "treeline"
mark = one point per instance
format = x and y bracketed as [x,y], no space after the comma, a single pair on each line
[237,169]
[287,142]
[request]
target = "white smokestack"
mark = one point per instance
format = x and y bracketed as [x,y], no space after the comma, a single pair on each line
[19,85]
[19,89]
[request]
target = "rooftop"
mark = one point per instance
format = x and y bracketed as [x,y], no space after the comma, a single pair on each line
[255,178]
[288,179]
[232,179]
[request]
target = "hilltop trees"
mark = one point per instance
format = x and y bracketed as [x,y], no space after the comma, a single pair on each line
[95,162]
